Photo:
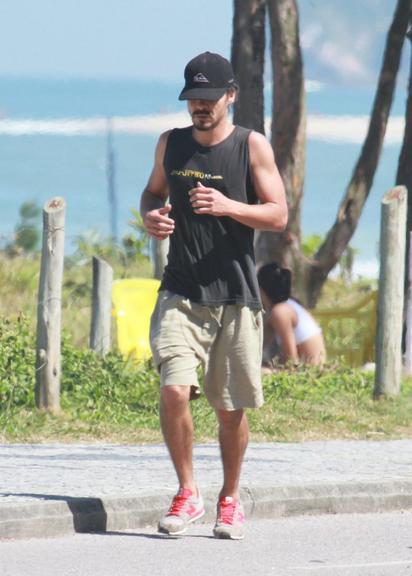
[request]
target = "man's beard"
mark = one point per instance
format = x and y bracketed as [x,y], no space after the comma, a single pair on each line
[203,127]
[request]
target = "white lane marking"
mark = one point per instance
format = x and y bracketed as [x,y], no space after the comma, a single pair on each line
[344,566]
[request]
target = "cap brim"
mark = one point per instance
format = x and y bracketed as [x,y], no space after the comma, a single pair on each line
[202,93]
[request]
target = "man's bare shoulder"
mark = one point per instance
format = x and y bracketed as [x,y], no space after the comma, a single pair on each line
[164,136]
[161,145]
[259,146]
[256,139]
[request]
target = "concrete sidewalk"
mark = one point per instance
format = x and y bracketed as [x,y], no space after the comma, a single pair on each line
[47,490]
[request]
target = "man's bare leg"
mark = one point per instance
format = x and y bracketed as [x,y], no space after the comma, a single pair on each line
[233,438]
[177,428]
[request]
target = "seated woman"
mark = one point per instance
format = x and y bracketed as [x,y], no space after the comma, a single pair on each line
[288,324]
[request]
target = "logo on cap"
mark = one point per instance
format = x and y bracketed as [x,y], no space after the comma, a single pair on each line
[200,78]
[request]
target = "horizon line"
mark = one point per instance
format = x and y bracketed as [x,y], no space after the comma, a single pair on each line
[340,129]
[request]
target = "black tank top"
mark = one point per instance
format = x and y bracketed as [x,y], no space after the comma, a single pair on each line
[211,259]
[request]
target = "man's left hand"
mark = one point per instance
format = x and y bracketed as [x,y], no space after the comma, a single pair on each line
[209,201]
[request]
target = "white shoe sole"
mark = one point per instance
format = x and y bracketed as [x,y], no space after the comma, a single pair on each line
[226,535]
[164,530]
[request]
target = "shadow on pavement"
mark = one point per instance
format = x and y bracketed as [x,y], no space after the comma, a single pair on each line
[154,535]
[89,514]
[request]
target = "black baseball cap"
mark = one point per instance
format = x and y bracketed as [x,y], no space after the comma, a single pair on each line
[207,77]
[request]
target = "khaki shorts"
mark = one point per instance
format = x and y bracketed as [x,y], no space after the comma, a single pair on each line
[225,340]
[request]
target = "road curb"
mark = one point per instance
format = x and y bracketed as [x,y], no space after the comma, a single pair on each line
[349,498]
[58,515]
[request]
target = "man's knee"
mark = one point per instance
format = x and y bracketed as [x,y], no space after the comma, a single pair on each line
[175,396]
[230,418]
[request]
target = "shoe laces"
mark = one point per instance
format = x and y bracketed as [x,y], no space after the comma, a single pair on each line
[227,509]
[179,501]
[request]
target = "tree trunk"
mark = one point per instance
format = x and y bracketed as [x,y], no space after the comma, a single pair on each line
[359,187]
[248,52]
[288,132]
[288,136]
[404,174]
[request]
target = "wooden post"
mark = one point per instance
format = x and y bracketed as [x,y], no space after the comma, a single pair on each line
[101,306]
[160,249]
[48,362]
[390,298]
[408,343]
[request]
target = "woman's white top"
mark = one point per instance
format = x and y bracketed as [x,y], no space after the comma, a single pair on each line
[306,326]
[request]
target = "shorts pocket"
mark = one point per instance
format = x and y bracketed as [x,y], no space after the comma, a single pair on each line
[167,332]
[257,318]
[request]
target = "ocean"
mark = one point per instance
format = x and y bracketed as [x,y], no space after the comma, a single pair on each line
[53,142]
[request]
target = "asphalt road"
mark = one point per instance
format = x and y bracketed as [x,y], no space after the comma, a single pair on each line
[338,545]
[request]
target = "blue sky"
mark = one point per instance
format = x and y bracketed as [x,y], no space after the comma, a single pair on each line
[143,38]
[341,39]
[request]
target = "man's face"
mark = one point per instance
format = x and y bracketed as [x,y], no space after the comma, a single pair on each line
[207,114]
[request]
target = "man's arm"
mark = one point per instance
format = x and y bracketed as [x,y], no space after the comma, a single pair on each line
[152,203]
[271,213]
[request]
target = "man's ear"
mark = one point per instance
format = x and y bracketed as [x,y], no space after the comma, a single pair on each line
[232,95]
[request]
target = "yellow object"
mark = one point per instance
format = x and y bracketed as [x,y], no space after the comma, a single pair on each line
[350,332]
[133,302]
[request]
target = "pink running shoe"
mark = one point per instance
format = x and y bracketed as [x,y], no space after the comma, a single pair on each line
[230,519]
[185,509]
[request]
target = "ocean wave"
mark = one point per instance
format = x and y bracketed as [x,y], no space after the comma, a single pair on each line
[351,129]
[333,129]
[313,85]
[361,269]
[366,268]
[310,86]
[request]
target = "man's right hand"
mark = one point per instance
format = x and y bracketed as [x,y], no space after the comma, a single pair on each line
[158,224]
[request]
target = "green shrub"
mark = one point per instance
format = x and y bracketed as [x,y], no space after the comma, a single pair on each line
[17,360]
[116,399]
[317,382]
[109,388]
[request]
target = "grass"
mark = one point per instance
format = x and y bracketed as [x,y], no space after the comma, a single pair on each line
[335,402]
[19,280]
[114,400]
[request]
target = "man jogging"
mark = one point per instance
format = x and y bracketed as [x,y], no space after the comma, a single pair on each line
[222,183]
